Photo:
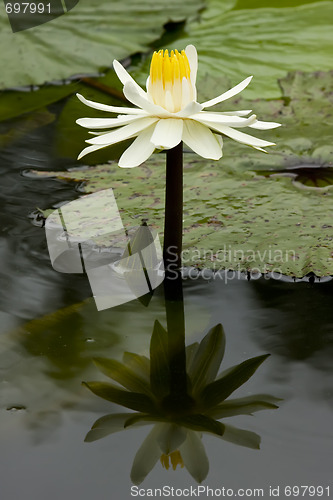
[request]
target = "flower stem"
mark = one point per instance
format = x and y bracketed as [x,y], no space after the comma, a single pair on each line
[173,223]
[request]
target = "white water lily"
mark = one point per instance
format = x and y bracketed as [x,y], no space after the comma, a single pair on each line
[168,113]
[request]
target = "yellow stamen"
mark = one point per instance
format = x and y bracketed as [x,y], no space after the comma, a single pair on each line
[166,86]
[175,458]
[169,68]
[165,461]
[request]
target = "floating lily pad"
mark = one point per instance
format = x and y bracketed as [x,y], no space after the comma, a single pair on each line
[267,42]
[70,137]
[86,39]
[231,221]
[15,103]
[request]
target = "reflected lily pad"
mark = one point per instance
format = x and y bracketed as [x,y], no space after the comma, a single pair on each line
[20,127]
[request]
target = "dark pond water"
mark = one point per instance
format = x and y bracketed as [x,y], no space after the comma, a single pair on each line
[44,356]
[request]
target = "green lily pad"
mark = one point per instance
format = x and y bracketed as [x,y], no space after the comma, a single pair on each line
[266,42]
[70,137]
[15,103]
[231,220]
[86,39]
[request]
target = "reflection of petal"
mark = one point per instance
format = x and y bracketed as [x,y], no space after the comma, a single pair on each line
[147,455]
[206,362]
[171,437]
[244,406]
[194,456]
[107,425]
[242,438]
[123,375]
[138,363]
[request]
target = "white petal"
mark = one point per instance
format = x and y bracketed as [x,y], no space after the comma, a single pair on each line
[201,140]
[192,56]
[186,92]
[124,77]
[123,133]
[265,125]
[139,151]
[90,149]
[230,93]
[220,140]
[169,104]
[194,456]
[243,138]
[147,456]
[167,133]
[111,109]
[148,85]
[134,97]
[190,109]
[214,120]
[106,122]
[242,112]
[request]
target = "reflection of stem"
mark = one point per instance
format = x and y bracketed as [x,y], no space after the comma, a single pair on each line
[173,224]
[175,317]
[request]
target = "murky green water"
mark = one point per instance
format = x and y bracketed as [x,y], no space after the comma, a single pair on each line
[45,355]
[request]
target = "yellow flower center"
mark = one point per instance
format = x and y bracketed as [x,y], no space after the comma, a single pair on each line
[170,80]
[175,458]
[169,68]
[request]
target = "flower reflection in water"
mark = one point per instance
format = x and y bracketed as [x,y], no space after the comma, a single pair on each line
[179,417]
